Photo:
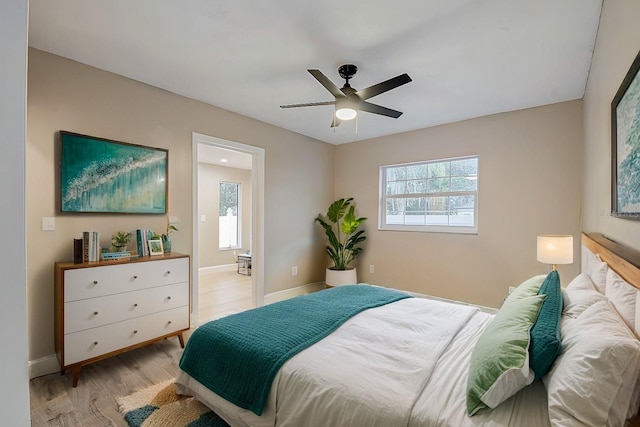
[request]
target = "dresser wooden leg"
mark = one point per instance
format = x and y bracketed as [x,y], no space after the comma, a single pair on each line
[181,338]
[76,375]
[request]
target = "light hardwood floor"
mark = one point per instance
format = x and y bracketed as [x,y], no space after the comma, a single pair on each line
[222,293]
[93,402]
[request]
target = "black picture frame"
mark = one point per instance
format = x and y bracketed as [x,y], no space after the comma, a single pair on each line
[625,146]
[99,175]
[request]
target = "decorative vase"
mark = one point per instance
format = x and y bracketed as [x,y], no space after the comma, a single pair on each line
[341,277]
[166,243]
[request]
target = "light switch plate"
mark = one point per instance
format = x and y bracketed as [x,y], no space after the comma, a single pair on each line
[48,223]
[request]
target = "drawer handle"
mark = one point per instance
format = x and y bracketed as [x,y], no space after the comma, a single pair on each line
[135,305]
[95,343]
[169,297]
[95,313]
[135,277]
[135,332]
[169,322]
[95,282]
[168,271]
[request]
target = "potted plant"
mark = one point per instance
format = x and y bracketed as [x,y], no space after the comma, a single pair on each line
[342,229]
[166,240]
[120,240]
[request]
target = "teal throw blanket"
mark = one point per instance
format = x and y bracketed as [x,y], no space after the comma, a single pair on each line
[238,356]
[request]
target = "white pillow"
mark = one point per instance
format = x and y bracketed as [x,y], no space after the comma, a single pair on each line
[591,382]
[586,257]
[582,281]
[623,296]
[598,274]
[577,300]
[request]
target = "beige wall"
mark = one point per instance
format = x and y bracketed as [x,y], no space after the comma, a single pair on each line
[66,95]
[529,183]
[209,178]
[617,44]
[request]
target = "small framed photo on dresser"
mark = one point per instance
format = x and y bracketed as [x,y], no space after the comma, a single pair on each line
[155,247]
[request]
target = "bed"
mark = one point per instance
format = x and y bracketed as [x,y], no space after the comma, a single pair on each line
[414,361]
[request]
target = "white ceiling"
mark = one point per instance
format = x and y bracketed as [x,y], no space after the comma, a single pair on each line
[467,58]
[222,157]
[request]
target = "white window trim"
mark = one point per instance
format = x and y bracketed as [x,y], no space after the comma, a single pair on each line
[451,229]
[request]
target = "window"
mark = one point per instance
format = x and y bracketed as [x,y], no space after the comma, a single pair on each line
[436,196]
[229,225]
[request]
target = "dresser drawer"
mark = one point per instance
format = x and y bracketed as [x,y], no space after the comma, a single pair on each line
[90,343]
[84,283]
[94,312]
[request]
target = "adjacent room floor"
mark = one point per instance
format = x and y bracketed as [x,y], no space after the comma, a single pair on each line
[222,293]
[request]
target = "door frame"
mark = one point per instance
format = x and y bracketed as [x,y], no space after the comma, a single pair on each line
[257,217]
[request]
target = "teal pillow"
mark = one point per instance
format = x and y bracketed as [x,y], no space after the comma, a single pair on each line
[499,365]
[545,334]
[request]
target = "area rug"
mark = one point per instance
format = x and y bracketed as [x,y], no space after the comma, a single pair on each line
[161,406]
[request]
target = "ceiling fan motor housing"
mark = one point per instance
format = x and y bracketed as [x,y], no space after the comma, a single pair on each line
[347,71]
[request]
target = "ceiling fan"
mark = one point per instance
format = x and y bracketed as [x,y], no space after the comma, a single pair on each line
[349,101]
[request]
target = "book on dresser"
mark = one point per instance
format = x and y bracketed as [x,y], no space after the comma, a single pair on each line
[91,246]
[105,308]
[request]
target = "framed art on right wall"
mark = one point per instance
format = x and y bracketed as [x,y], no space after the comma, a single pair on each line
[625,146]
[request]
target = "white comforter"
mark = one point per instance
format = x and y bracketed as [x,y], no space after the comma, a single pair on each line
[402,364]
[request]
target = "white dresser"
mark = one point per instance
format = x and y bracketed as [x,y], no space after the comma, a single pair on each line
[105,308]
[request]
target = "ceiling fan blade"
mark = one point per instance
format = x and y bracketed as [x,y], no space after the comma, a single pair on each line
[374,90]
[377,109]
[308,104]
[328,84]
[335,122]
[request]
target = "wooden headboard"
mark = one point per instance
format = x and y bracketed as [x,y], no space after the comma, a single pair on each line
[622,259]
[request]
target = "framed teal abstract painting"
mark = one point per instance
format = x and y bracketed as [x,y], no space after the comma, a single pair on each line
[104,176]
[625,146]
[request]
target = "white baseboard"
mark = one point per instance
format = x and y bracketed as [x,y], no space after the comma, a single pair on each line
[43,366]
[293,292]
[214,268]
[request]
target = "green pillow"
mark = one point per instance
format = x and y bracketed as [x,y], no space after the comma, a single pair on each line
[500,359]
[528,288]
[545,334]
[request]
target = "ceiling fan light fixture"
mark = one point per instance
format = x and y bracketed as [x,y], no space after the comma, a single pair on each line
[346,113]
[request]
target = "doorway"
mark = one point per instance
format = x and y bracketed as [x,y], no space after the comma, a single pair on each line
[239,160]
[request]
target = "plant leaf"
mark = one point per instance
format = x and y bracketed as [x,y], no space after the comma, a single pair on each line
[337,209]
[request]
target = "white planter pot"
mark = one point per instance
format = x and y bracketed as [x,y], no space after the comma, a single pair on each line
[341,277]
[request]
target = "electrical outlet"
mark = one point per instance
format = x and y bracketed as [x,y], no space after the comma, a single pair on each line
[294,270]
[372,269]
[203,218]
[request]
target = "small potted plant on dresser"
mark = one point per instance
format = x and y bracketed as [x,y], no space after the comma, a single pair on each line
[344,242]
[120,240]
[166,240]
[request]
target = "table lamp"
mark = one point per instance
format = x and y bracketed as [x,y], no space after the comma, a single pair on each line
[555,249]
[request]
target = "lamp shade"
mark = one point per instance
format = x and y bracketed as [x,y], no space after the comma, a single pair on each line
[555,249]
